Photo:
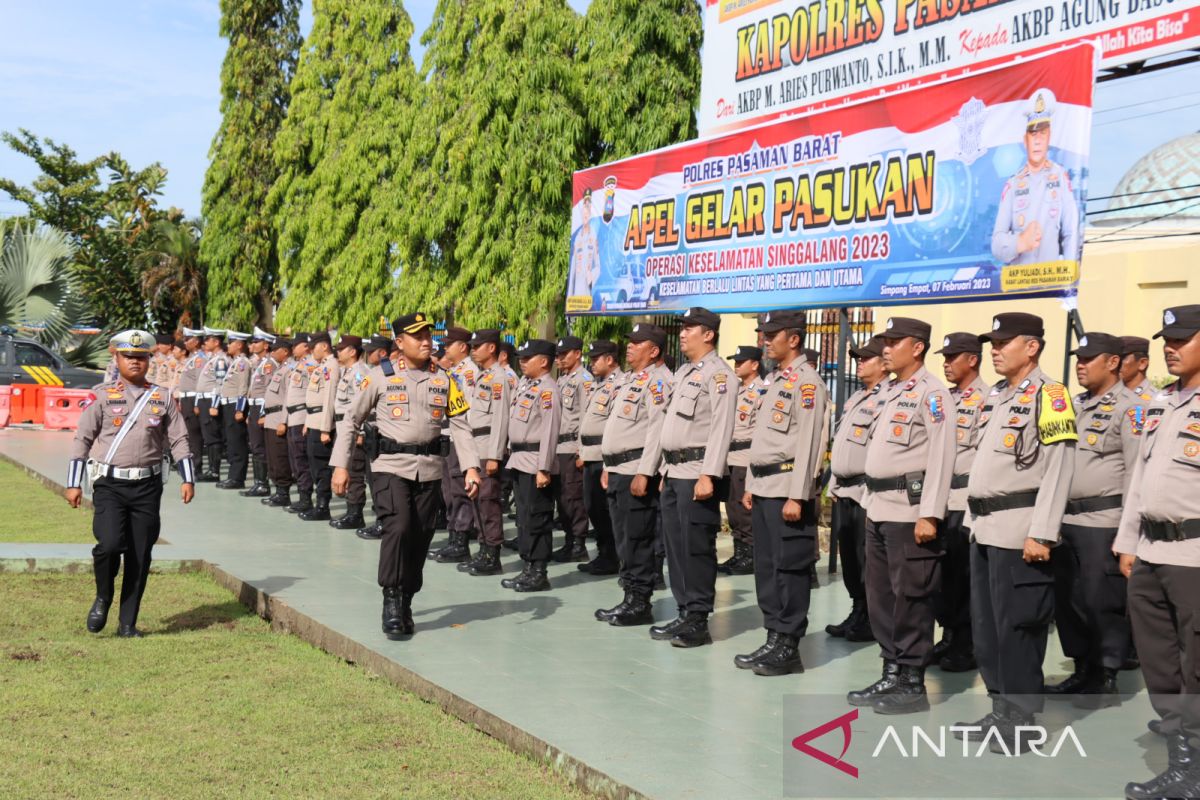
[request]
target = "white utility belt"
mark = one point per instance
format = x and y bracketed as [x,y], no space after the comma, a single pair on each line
[189,394]
[97,469]
[227,400]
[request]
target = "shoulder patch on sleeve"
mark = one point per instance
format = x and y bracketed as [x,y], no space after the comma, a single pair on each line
[1056,416]
[1137,419]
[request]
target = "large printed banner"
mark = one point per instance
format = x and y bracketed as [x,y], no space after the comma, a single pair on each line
[767,58]
[963,190]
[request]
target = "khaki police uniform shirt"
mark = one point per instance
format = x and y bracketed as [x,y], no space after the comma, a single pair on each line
[260,375]
[1165,478]
[320,395]
[154,369]
[1110,431]
[574,389]
[348,385]
[1033,418]
[466,372]
[159,424]
[534,419]
[1146,391]
[275,395]
[212,375]
[748,397]
[700,415]
[297,391]
[848,458]
[968,403]
[599,405]
[170,373]
[788,428]
[236,386]
[190,373]
[410,407]
[491,403]
[635,422]
[912,435]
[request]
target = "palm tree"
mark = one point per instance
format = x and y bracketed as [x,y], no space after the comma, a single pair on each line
[172,275]
[36,287]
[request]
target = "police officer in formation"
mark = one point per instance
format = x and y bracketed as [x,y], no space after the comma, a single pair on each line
[460,516]
[118,446]
[351,372]
[376,351]
[747,367]
[1135,361]
[185,391]
[601,396]
[319,396]
[277,370]
[296,406]
[261,368]
[574,383]
[232,399]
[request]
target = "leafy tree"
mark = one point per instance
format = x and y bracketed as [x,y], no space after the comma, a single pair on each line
[239,241]
[172,277]
[338,149]
[37,290]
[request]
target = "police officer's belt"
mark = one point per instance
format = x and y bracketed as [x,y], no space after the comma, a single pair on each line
[591,441]
[896,484]
[763,470]
[1158,530]
[617,459]
[338,417]
[684,456]
[126,473]
[295,408]
[743,445]
[846,481]
[525,447]
[188,394]
[438,447]
[1086,504]
[258,401]
[982,506]
[272,409]
[315,409]
[484,431]
[563,438]
[959,481]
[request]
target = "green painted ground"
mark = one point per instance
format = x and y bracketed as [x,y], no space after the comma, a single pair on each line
[29,512]
[212,703]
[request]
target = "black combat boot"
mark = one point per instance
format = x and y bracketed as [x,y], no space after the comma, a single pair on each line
[97,617]
[980,727]
[859,629]
[406,620]
[281,499]
[511,583]
[839,630]
[1010,741]
[907,696]
[573,549]
[260,488]
[726,565]
[488,562]
[457,552]
[465,566]
[886,682]
[636,612]
[748,660]
[660,582]
[535,581]
[303,503]
[1076,682]
[371,532]
[943,646]
[782,659]
[744,565]
[353,518]
[693,632]
[605,562]
[606,614]
[1181,760]
[212,472]
[1102,692]
[319,512]
[393,626]
[230,483]
[512,544]
[129,631]
[662,633]
[960,657]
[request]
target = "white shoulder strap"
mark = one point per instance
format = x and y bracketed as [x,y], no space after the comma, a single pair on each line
[137,410]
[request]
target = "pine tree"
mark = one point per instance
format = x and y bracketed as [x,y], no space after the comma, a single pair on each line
[239,241]
[342,140]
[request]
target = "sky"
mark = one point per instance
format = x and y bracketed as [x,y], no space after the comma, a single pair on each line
[142,77]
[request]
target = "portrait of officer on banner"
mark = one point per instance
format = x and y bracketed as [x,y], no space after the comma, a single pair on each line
[585,260]
[1038,218]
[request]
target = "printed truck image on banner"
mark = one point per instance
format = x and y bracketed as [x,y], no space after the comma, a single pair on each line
[963,190]
[764,59]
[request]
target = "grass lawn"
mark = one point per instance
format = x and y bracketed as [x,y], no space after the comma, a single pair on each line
[212,703]
[29,512]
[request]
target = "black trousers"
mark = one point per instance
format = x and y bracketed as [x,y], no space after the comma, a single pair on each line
[491,515]
[459,516]
[572,514]
[902,577]
[1164,609]
[126,521]
[741,523]
[690,530]
[1089,596]
[952,602]
[595,502]
[318,453]
[635,520]
[356,492]
[237,444]
[849,524]
[187,407]
[535,516]
[1012,603]
[784,553]
[254,431]
[211,430]
[298,458]
[406,509]
[279,466]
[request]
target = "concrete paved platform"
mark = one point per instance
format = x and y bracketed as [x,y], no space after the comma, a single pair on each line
[627,715]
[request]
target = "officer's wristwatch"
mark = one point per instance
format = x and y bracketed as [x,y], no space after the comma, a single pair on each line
[1046,542]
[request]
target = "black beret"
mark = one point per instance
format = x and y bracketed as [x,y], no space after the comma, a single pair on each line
[782,319]
[901,327]
[568,343]
[456,334]
[701,316]
[602,347]
[536,347]
[485,336]
[1012,324]
[747,352]
[959,342]
[645,332]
